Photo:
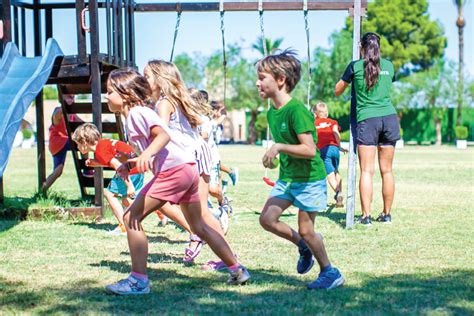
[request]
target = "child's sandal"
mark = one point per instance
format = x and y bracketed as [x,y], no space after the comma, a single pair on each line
[190,254]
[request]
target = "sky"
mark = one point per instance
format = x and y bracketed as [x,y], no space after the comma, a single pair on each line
[200,32]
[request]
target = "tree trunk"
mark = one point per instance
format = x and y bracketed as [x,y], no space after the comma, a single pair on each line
[460,24]
[438,131]
[252,133]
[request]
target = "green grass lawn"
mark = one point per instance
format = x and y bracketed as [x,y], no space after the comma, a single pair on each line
[421,264]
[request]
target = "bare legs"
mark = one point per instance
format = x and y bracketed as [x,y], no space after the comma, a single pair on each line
[270,221]
[366,162]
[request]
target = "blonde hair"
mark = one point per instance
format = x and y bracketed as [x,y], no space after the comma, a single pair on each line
[320,107]
[132,87]
[283,64]
[86,133]
[167,77]
[202,107]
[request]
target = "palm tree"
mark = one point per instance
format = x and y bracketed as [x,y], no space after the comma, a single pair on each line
[460,23]
[271,46]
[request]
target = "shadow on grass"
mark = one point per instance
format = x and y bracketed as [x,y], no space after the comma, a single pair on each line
[338,217]
[175,292]
[101,226]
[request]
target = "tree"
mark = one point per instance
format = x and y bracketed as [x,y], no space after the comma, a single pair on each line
[271,45]
[460,23]
[408,37]
[191,69]
[433,89]
[328,67]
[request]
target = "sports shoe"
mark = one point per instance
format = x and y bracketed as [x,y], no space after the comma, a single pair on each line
[234,175]
[129,286]
[384,218]
[117,232]
[224,218]
[306,261]
[365,220]
[327,280]
[224,186]
[239,276]
[227,207]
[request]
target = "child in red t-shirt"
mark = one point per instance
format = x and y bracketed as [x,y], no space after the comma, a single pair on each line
[107,151]
[329,147]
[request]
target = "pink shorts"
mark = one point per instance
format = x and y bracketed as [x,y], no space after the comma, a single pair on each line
[176,185]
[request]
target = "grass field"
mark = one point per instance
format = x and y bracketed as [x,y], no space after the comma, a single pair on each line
[421,264]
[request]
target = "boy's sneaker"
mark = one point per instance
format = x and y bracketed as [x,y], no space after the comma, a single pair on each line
[327,280]
[306,261]
[117,232]
[384,218]
[234,175]
[129,286]
[239,276]
[365,220]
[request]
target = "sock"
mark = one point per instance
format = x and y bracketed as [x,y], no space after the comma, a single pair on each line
[139,276]
[326,268]
[302,244]
[234,267]
[160,215]
[122,228]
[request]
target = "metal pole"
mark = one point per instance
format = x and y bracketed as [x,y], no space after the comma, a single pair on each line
[351,181]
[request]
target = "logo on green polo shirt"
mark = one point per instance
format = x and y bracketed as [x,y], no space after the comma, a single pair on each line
[283,126]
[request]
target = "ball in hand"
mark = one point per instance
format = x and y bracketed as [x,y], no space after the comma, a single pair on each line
[274,163]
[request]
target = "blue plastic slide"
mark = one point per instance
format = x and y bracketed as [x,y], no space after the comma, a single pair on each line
[21,79]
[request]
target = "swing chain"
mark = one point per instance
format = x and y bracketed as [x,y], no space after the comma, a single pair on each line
[176,29]
[306,23]
[224,58]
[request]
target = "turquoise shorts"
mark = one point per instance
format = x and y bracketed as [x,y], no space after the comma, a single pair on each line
[307,196]
[118,187]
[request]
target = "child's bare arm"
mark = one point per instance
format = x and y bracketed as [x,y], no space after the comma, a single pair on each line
[160,140]
[93,163]
[340,87]
[305,149]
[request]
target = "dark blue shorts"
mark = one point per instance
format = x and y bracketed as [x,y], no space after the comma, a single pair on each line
[330,156]
[378,131]
[60,157]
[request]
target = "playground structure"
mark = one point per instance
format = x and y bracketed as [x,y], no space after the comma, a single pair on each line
[86,72]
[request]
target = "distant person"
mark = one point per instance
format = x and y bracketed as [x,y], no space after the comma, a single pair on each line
[59,143]
[302,179]
[329,145]
[377,124]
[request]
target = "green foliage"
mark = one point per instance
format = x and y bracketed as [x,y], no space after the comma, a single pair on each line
[191,69]
[461,132]
[345,136]
[271,45]
[27,133]
[328,67]
[50,93]
[408,37]
[261,123]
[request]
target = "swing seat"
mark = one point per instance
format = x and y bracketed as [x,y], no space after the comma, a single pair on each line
[268,181]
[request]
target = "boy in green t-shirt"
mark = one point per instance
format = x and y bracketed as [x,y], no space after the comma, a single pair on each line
[302,180]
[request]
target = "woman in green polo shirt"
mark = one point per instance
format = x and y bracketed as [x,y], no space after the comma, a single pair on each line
[377,125]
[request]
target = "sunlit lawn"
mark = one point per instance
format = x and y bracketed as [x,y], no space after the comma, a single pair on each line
[421,264]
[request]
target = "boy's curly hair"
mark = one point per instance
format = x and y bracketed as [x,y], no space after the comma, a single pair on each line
[282,64]
[86,133]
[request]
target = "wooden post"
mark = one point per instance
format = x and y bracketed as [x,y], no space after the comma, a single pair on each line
[81,35]
[96,94]
[49,23]
[39,102]
[2,197]
[351,181]
[5,17]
